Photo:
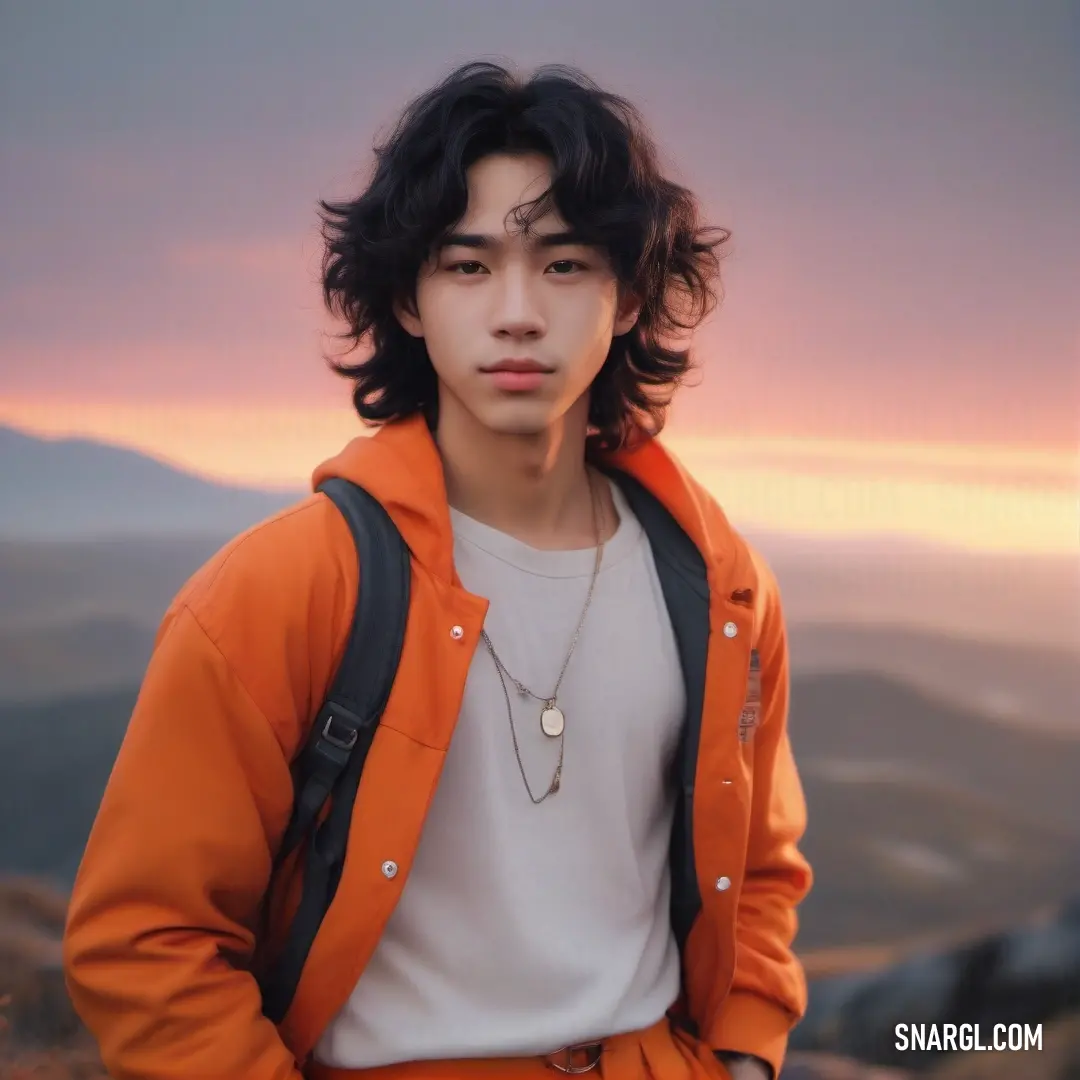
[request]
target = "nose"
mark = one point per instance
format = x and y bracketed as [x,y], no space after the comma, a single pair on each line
[516,313]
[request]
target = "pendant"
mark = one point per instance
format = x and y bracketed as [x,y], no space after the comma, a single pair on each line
[551,720]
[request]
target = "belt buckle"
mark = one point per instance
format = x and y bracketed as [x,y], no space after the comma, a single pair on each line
[592,1050]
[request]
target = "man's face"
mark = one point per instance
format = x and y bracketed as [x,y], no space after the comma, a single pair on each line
[517,328]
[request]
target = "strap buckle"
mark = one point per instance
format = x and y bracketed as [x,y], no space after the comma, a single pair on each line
[348,726]
[346,743]
[577,1059]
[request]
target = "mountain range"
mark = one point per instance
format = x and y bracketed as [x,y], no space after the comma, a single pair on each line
[83,489]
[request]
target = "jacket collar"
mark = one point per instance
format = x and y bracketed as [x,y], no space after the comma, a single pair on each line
[401,467]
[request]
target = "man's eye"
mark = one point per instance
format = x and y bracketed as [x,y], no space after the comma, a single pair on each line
[566,266]
[469,268]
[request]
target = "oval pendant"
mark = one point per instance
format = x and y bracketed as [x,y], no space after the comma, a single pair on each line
[551,720]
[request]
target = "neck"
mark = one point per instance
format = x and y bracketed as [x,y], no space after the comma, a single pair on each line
[534,487]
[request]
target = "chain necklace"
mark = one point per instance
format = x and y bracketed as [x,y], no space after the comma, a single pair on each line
[552,719]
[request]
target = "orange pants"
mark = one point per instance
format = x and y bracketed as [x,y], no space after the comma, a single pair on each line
[657,1053]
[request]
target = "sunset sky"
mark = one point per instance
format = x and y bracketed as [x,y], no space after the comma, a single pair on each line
[898,346]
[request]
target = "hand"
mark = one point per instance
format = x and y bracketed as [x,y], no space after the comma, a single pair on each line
[748,1069]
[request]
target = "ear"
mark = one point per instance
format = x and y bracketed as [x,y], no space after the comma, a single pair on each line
[627,314]
[406,314]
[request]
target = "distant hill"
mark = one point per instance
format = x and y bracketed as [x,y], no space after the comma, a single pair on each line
[1027,685]
[87,656]
[897,859]
[55,760]
[56,583]
[855,729]
[917,808]
[916,811]
[79,488]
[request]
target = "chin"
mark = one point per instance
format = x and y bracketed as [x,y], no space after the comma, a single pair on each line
[521,428]
[520,418]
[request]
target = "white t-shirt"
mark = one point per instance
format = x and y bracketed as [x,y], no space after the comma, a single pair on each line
[526,928]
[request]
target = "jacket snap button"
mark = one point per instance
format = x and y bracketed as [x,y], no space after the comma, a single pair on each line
[730,629]
[457,633]
[723,883]
[389,868]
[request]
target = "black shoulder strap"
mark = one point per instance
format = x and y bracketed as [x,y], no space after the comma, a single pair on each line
[343,729]
[685,584]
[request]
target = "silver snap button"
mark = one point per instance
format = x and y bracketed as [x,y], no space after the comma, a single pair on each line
[457,633]
[389,868]
[723,883]
[730,629]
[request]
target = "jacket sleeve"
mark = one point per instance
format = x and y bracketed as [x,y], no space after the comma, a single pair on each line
[768,992]
[162,913]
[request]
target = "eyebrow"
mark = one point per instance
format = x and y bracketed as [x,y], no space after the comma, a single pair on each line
[487,242]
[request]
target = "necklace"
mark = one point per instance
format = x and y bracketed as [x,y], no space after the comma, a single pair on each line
[552,719]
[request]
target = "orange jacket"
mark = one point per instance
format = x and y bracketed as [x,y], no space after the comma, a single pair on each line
[162,923]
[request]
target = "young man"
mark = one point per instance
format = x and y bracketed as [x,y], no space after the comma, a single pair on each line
[529,885]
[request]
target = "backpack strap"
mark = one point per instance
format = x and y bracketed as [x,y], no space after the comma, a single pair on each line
[331,764]
[684,582]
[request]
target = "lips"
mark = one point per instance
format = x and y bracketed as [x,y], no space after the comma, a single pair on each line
[517,375]
[525,364]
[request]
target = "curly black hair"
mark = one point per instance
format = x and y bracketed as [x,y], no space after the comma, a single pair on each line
[606,184]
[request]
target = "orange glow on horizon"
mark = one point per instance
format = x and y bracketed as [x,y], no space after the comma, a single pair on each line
[981,498]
